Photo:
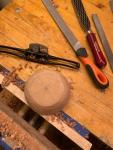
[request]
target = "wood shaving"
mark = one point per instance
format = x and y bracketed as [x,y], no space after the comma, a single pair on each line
[11,77]
[15,136]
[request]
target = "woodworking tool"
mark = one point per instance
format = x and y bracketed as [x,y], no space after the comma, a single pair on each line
[103,39]
[97,76]
[91,38]
[39,54]
[111,5]
[3,3]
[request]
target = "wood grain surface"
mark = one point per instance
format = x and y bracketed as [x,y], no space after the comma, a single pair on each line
[26,21]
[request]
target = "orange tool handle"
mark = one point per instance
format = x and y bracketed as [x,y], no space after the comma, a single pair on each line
[95,73]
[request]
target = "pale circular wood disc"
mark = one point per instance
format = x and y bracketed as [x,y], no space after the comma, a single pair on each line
[47,91]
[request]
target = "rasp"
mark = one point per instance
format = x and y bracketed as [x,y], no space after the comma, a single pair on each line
[103,39]
[91,38]
[95,73]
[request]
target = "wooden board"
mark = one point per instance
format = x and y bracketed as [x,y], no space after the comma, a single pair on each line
[28,21]
[23,130]
[63,124]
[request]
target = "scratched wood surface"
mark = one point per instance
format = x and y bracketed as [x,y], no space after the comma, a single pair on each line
[26,21]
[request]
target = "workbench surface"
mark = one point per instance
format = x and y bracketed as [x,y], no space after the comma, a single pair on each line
[28,21]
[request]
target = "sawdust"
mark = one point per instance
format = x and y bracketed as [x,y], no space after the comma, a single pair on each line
[26,65]
[67,121]
[9,134]
[9,99]
[15,136]
[11,77]
[59,118]
[54,118]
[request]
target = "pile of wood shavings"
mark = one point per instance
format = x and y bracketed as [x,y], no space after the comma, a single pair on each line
[10,135]
[12,77]
[16,137]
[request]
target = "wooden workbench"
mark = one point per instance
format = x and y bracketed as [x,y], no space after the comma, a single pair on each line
[26,21]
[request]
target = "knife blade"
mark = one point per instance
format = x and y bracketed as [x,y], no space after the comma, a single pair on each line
[95,73]
[91,38]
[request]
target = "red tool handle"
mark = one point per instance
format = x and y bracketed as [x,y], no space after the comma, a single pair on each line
[96,50]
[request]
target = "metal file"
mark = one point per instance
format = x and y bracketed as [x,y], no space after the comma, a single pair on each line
[90,35]
[103,39]
[95,73]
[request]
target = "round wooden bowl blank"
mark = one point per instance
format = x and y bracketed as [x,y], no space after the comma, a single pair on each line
[47,92]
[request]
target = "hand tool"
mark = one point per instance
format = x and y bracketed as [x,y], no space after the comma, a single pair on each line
[91,38]
[3,3]
[97,76]
[103,39]
[111,5]
[39,54]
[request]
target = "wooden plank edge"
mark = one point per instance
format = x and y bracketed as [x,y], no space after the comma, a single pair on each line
[23,124]
[66,130]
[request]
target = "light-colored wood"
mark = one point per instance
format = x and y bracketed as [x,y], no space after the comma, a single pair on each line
[26,21]
[19,125]
[52,119]
[47,92]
